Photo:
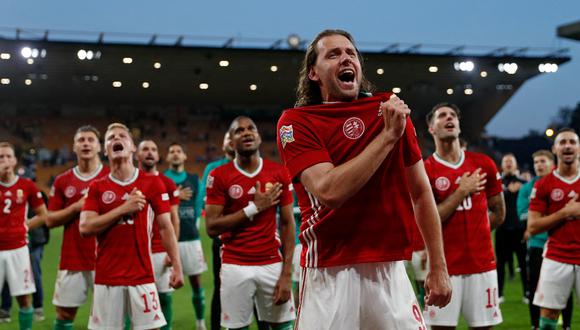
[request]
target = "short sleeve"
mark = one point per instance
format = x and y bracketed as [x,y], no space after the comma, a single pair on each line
[92,201]
[493,185]
[300,147]
[171,189]
[56,198]
[158,196]
[34,196]
[411,150]
[215,194]
[287,189]
[539,197]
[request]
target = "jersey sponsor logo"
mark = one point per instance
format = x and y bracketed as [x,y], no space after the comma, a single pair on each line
[353,128]
[164,197]
[286,135]
[108,197]
[209,182]
[442,183]
[70,191]
[235,191]
[557,195]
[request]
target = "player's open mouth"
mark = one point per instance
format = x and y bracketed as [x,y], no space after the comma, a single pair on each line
[346,76]
[449,125]
[118,147]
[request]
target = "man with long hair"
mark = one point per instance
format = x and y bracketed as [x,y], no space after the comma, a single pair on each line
[357,170]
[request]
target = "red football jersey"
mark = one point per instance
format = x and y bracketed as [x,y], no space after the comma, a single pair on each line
[255,242]
[550,194]
[171,189]
[375,224]
[467,233]
[15,199]
[123,250]
[77,252]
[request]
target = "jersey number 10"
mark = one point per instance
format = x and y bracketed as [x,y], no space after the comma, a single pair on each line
[465,204]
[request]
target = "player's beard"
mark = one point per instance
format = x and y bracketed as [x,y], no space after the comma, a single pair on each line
[247,152]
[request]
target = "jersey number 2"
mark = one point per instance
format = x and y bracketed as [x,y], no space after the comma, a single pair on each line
[7,204]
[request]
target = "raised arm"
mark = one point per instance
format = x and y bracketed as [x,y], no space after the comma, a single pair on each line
[468,184]
[333,185]
[60,217]
[217,223]
[92,223]
[437,284]
[538,222]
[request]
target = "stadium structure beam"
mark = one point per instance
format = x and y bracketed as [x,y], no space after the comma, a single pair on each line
[569,31]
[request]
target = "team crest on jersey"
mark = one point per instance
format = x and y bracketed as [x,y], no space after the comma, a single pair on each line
[70,191]
[209,182]
[442,183]
[557,195]
[286,135]
[108,197]
[235,191]
[353,128]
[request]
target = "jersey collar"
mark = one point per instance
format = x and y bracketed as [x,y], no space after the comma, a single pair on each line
[568,181]
[89,177]
[448,164]
[125,183]
[253,174]
[9,184]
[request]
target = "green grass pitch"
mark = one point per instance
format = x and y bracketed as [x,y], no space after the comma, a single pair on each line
[515,313]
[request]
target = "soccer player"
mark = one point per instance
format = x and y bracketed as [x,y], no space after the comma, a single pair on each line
[148,157]
[242,198]
[190,250]
[77,261]
[509,237]
[543,165]
[16,195]
[466,185]
[119,209]
[554,207]
[229,154]
[357,169]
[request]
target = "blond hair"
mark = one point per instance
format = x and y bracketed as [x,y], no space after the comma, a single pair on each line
[118,125]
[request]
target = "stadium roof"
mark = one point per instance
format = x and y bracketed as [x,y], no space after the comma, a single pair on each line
[45,67]
[570,31]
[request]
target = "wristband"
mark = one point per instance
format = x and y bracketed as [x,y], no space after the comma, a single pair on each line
[251,210]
